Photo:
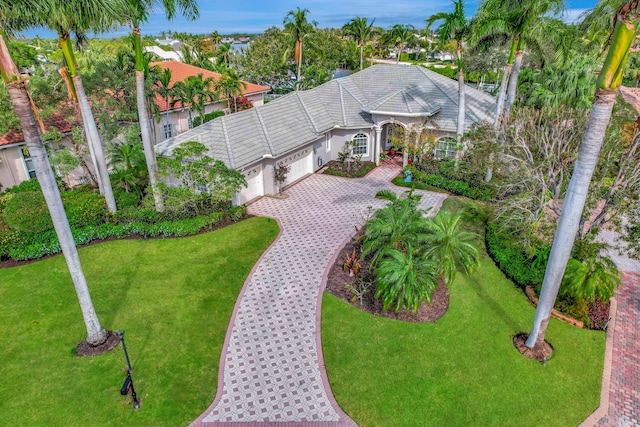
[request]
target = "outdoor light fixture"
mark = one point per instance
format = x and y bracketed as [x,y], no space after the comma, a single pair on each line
[128,382]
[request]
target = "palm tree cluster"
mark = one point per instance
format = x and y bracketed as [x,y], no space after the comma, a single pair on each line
[66,17]
[409,251]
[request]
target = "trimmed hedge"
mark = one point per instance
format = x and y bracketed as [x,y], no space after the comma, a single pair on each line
[21,247]
[454,186]
[27,212]
[522,269]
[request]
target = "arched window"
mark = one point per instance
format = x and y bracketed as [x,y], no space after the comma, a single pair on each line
[361,144]
[446,148]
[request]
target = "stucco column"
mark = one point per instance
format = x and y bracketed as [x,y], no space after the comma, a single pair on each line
[376,148]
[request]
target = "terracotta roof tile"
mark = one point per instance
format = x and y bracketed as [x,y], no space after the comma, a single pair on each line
[57,120]
[180,71]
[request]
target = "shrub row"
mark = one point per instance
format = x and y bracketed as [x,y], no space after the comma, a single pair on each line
[454,186]
[22,248]
[27,211]
[522,269]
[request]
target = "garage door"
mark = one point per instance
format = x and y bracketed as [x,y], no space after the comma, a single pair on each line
[255,185]
[301,164]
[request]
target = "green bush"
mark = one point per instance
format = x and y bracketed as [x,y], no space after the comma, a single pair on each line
[197,121]
[39,245]
[126,200]
[452,185]
[26,212]
[522,269]
[84,208]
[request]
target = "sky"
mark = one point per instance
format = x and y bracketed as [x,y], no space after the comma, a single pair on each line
[255,16]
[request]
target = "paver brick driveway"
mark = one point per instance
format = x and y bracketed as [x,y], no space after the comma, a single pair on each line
[271,368]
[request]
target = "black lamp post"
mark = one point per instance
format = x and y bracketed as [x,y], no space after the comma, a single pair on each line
[128,382]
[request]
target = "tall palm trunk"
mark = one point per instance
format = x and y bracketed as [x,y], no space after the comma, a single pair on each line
[608,81]
[94,138]
[503,83]
[461,100]
[298,53]
[461,104]
[64,72]
[22,105]
[143,119]
[513,79]
[361,56]
[400,46]
[91,128]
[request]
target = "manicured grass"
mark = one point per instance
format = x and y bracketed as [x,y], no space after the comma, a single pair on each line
[463,370]
[173,298]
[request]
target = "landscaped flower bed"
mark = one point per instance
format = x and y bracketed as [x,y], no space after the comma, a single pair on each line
[349,169]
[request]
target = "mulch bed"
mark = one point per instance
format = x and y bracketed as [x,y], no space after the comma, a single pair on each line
[338,278]
[85,349]
[7,263]
[541,355]
[334,167]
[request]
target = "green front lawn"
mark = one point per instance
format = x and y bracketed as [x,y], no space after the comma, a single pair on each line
[462,370]
[173,298]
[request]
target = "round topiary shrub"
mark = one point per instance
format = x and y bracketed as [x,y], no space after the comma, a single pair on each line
[27,212]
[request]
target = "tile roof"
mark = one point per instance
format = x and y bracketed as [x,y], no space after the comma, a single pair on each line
[299,118]
[57,120]
[180,71]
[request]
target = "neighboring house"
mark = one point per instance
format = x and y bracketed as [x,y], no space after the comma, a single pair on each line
[163,54]
[175,118]
[440,56]
[15,163]
[307,129]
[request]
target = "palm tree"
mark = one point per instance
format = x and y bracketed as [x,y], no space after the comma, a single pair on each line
[15,15]
[450,247]
[230,84]
[65,17]
[222,54]
[297,29]
[609,79]
[406,278]
[456,28]
[137,13]
[395,226]
[362,32]
[194,91]
[398,36]
[522,22]
[596,276]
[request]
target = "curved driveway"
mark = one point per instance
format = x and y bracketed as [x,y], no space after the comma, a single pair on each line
[271,368]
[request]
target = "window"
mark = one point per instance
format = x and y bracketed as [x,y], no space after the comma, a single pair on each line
[361,144]
[446,148]
[28,163]
[190,122]
[168,131]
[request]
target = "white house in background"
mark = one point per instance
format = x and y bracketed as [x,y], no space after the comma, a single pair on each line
[307,129]
[175,117]
[163,54]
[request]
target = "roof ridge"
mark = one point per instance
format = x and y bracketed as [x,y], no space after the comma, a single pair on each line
[405,97]
[353,96]
[272,151]
[344,113]
[232,163]
[455,101]
[304,108]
